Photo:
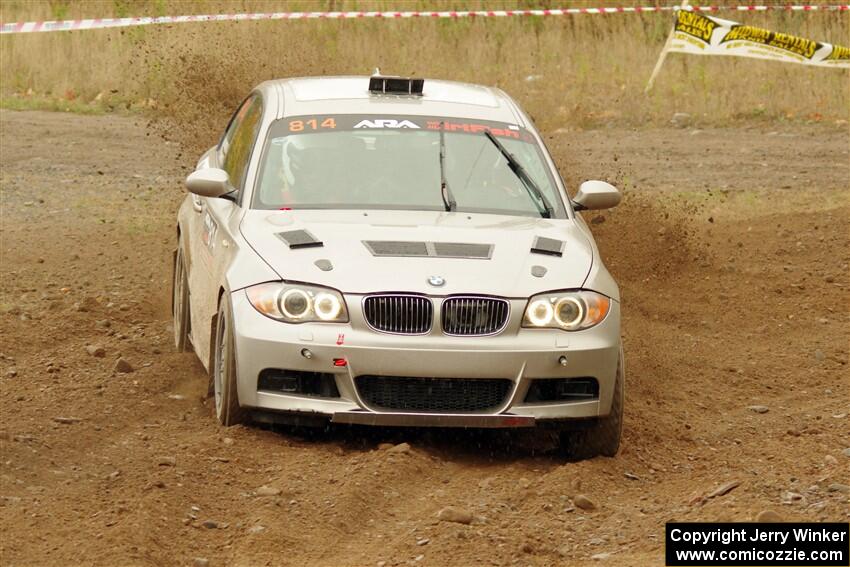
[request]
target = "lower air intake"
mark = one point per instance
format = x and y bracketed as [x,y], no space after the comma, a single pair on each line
[433,395]
[562,390]
[279,381]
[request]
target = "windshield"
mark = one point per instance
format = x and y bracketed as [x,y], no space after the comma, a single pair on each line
[375,162]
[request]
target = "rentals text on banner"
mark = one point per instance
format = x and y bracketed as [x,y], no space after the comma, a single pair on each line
[700,34]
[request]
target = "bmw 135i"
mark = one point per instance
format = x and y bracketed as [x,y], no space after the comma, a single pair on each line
[397,252]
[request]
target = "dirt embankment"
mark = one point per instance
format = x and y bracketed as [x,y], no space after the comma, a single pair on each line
[733,262]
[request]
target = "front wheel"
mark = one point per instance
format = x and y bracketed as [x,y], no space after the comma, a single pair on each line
[603,437]
[227,408]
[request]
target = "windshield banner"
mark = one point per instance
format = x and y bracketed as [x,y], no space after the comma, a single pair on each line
[700,34]
[409,123]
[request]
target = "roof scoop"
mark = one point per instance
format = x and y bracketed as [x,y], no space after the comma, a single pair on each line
[385,84]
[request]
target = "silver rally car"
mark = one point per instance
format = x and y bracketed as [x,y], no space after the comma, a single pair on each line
[397,252]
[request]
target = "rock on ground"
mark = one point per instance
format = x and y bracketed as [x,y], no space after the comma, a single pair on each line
[453,514]
[583,502]
[267,491]
[768,516]
[96,351]
[400,448]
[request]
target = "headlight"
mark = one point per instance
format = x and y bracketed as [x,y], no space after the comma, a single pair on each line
[567,310]
[297,303]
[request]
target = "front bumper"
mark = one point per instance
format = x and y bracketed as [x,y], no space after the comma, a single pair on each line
[517,354]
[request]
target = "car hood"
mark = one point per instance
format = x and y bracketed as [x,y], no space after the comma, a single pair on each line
[357,269]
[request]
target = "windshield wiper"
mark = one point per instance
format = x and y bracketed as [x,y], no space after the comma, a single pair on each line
[445,192]
[534,191]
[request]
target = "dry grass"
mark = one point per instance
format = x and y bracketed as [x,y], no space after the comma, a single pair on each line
[573,71]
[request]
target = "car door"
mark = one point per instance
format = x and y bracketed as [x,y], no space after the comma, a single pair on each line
[218,218]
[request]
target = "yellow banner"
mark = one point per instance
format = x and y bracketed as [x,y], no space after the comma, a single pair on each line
[707,35]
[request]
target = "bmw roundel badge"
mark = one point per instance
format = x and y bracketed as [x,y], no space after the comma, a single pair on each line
[437,281]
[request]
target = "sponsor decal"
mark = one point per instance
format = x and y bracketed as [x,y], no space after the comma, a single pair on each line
[838,53]
[209,232]
[695,25]
[385,123]
[508,132]
[701,34]
[794,44]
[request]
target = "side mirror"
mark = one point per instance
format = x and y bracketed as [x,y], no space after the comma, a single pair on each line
[594,195]
[209,182]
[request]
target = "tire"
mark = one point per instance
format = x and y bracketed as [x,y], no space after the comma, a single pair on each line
[603,437]
[180,301]
[227,408]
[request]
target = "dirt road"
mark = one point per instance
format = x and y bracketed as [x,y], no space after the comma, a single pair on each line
[732,254]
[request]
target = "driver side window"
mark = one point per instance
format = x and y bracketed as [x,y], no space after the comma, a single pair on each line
[238,141]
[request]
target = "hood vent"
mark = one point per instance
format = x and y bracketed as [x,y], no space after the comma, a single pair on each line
[455,250]
[548,246]
[393,248]
[299,239]
[396,248]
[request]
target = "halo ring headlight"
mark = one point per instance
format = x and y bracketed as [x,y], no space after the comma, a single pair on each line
[327,306]
[295,303]
[540,312]
[567,310]
[569,305]
[298,303]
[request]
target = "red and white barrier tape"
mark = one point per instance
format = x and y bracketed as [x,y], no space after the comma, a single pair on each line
[67,25]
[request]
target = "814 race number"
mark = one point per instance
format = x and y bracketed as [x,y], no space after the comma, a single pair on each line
[312,124]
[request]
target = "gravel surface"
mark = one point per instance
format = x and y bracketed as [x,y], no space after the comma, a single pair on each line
[732,253]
